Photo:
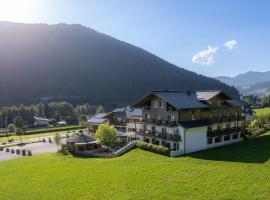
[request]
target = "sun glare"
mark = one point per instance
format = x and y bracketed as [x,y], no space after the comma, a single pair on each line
[16,10]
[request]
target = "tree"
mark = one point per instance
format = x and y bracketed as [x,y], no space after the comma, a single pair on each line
[106,135]
[18,122]
[11,127]
[57,139]
[100,109]
[82,120]
[248,99]
[266,101]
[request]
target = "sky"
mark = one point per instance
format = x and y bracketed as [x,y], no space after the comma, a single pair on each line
[210,37]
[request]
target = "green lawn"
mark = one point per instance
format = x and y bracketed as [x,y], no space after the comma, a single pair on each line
[239,171]
[262,111]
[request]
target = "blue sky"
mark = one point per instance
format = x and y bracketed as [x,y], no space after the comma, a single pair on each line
[173,30]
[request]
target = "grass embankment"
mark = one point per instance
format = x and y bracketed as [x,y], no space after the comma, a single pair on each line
[262,111]
[239,171]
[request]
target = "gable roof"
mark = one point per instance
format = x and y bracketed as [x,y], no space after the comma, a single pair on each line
[98,118]
[81,138]
[178,99]
[206,95]
[236,103]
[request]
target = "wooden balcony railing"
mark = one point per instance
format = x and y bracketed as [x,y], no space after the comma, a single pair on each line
[160,122]
[226,131]
[164,136]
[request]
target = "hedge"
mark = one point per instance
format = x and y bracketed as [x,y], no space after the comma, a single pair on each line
[153,148]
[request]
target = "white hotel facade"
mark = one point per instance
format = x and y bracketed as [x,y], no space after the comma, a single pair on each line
[186,121]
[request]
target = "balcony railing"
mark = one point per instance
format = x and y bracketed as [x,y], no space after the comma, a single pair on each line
[164,136]
[160,122]
[226,131]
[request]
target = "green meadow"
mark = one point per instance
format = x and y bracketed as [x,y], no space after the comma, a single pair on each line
[262,111]
[238,171]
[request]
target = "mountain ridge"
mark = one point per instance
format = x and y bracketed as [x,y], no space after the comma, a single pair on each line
[246,79]
[41,60]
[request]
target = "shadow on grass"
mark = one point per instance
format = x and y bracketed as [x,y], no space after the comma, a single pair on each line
[251,151]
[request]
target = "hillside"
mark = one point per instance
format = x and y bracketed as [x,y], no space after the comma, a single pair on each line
[81,65]
[246,79]
[239,171]
[259,89]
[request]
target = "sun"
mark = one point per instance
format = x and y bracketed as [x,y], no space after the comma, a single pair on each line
[16,10]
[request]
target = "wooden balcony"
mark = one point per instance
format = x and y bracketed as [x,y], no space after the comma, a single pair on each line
[163,136]
[160,122]
[221,132]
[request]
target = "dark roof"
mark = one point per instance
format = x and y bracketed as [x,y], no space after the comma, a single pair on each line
[98,118]
[236,103]
[179,99]
[81,138]
[195,123]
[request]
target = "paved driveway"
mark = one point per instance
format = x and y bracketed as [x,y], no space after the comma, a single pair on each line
[36,148]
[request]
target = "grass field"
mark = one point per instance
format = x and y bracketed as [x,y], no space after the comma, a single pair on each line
[239,171]
[262,111]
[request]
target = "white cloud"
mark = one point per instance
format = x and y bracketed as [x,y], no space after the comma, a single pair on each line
[230,44]
[206,57]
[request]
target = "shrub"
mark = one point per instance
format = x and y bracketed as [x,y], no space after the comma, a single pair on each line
[29,153]
[153,148]
[23,152]
[43,140]
[18,151]
[64,148]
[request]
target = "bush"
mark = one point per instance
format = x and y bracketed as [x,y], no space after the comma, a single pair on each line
[43,140]
[153,148]
[18,151]
[64,148]
[29,153]
[23,152]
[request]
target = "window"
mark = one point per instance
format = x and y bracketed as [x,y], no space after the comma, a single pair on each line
[235,136]
[209,140]
[153,129]
[218,139]
[228,125]
[155,103]
[227,137]
[174,146]
[163,143]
